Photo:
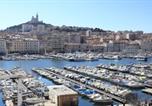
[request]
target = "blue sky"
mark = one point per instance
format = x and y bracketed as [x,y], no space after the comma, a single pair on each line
[106,14]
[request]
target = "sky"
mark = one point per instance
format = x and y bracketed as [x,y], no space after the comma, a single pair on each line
[112,15]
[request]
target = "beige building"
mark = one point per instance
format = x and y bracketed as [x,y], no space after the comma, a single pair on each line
[72,47]
[94,40]
[23,45]
[55,42]
[61,95]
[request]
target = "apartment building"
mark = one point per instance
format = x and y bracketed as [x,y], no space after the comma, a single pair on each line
[3,48]
[26,45]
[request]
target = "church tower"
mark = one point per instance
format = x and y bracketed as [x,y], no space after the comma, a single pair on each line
[37,17]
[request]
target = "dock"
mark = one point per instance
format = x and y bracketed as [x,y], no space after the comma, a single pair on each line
[114,97]
[103,79]
[125,72]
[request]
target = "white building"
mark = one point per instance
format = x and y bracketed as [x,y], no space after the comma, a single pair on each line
[31,45]
[88,33]
[115,46]
[40,28]
[27,27]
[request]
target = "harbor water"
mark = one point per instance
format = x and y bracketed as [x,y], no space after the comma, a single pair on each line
[27,65]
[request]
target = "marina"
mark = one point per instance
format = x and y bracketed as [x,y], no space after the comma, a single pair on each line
[141,70]
[63,80]
[77,56]
[21,89]
[93,53]
[27,65]
[116,78]
[25,90]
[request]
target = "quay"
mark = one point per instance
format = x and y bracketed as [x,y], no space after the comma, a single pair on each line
[103,79]
[139,70]
[125,72]
[114,97]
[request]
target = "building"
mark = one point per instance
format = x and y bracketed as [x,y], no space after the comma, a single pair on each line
[88,33]
[74,38]
[35,20]
[134,35]
[33,25]
[146,45]
[97,48]
[132,47]
[55,42]
[3,49]
[31,45]
[115,46]
[23,45]
[27,27]
[40,28]
[61,95]
[94,40]
[71,47]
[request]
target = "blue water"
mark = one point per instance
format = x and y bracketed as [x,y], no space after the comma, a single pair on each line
[27,65]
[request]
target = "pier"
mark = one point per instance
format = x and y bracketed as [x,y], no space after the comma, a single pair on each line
[103,79]
[117,98]
[126,71]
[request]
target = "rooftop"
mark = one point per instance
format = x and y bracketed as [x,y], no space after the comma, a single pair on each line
[61,90]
